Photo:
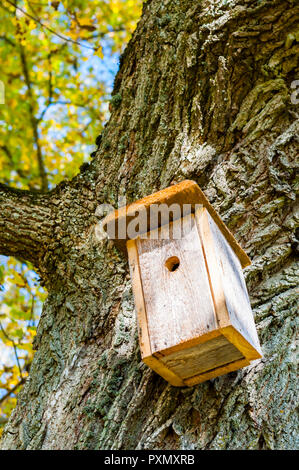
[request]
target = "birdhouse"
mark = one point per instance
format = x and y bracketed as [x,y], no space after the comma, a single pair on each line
[193,310]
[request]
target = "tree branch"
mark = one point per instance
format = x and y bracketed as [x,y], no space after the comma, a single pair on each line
[8,153]
[37,20]
[15,350]
[9,41]
[26,224]
[2,399]
[41,166]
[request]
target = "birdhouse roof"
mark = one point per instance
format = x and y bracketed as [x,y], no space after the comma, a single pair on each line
[186,192]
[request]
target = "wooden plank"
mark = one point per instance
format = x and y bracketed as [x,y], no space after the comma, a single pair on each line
[249,351]
[144,340]
[162,370]
[226,369]
[179,304]
[190,343]
[186,192]
[234,287]
[213,266]
[203,357]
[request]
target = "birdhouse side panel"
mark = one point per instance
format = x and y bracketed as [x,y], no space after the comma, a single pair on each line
[234,287]
[178,300]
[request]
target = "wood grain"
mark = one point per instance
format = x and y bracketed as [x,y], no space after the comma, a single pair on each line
[203,357]
[179,304]
[226,369]
[194,315]
[144,340]
[236,338]
[213,266]
[186,192]
[234,288]
[164,371]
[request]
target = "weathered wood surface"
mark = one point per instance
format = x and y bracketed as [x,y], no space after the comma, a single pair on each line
[181,194]
[218,372]
[213,266]
[157,365]
[228,288]
[179,304]
[182,305]
[234,287]
[203,357]
[144,340]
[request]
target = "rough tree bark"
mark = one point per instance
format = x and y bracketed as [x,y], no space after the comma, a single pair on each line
[203,92]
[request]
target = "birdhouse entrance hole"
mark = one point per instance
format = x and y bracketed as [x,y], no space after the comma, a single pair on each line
[172,263]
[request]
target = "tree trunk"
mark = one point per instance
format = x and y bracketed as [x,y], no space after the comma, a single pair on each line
[204,93]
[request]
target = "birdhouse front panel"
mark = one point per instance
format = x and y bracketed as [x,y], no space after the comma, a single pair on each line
[175,285]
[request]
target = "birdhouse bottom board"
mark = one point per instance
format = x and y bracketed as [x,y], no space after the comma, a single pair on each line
[194,315]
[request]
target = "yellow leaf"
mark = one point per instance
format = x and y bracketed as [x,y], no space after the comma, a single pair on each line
[31,25]
[85,22]
[99,52]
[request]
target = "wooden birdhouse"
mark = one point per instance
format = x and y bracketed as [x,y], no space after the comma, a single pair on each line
[193,311]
